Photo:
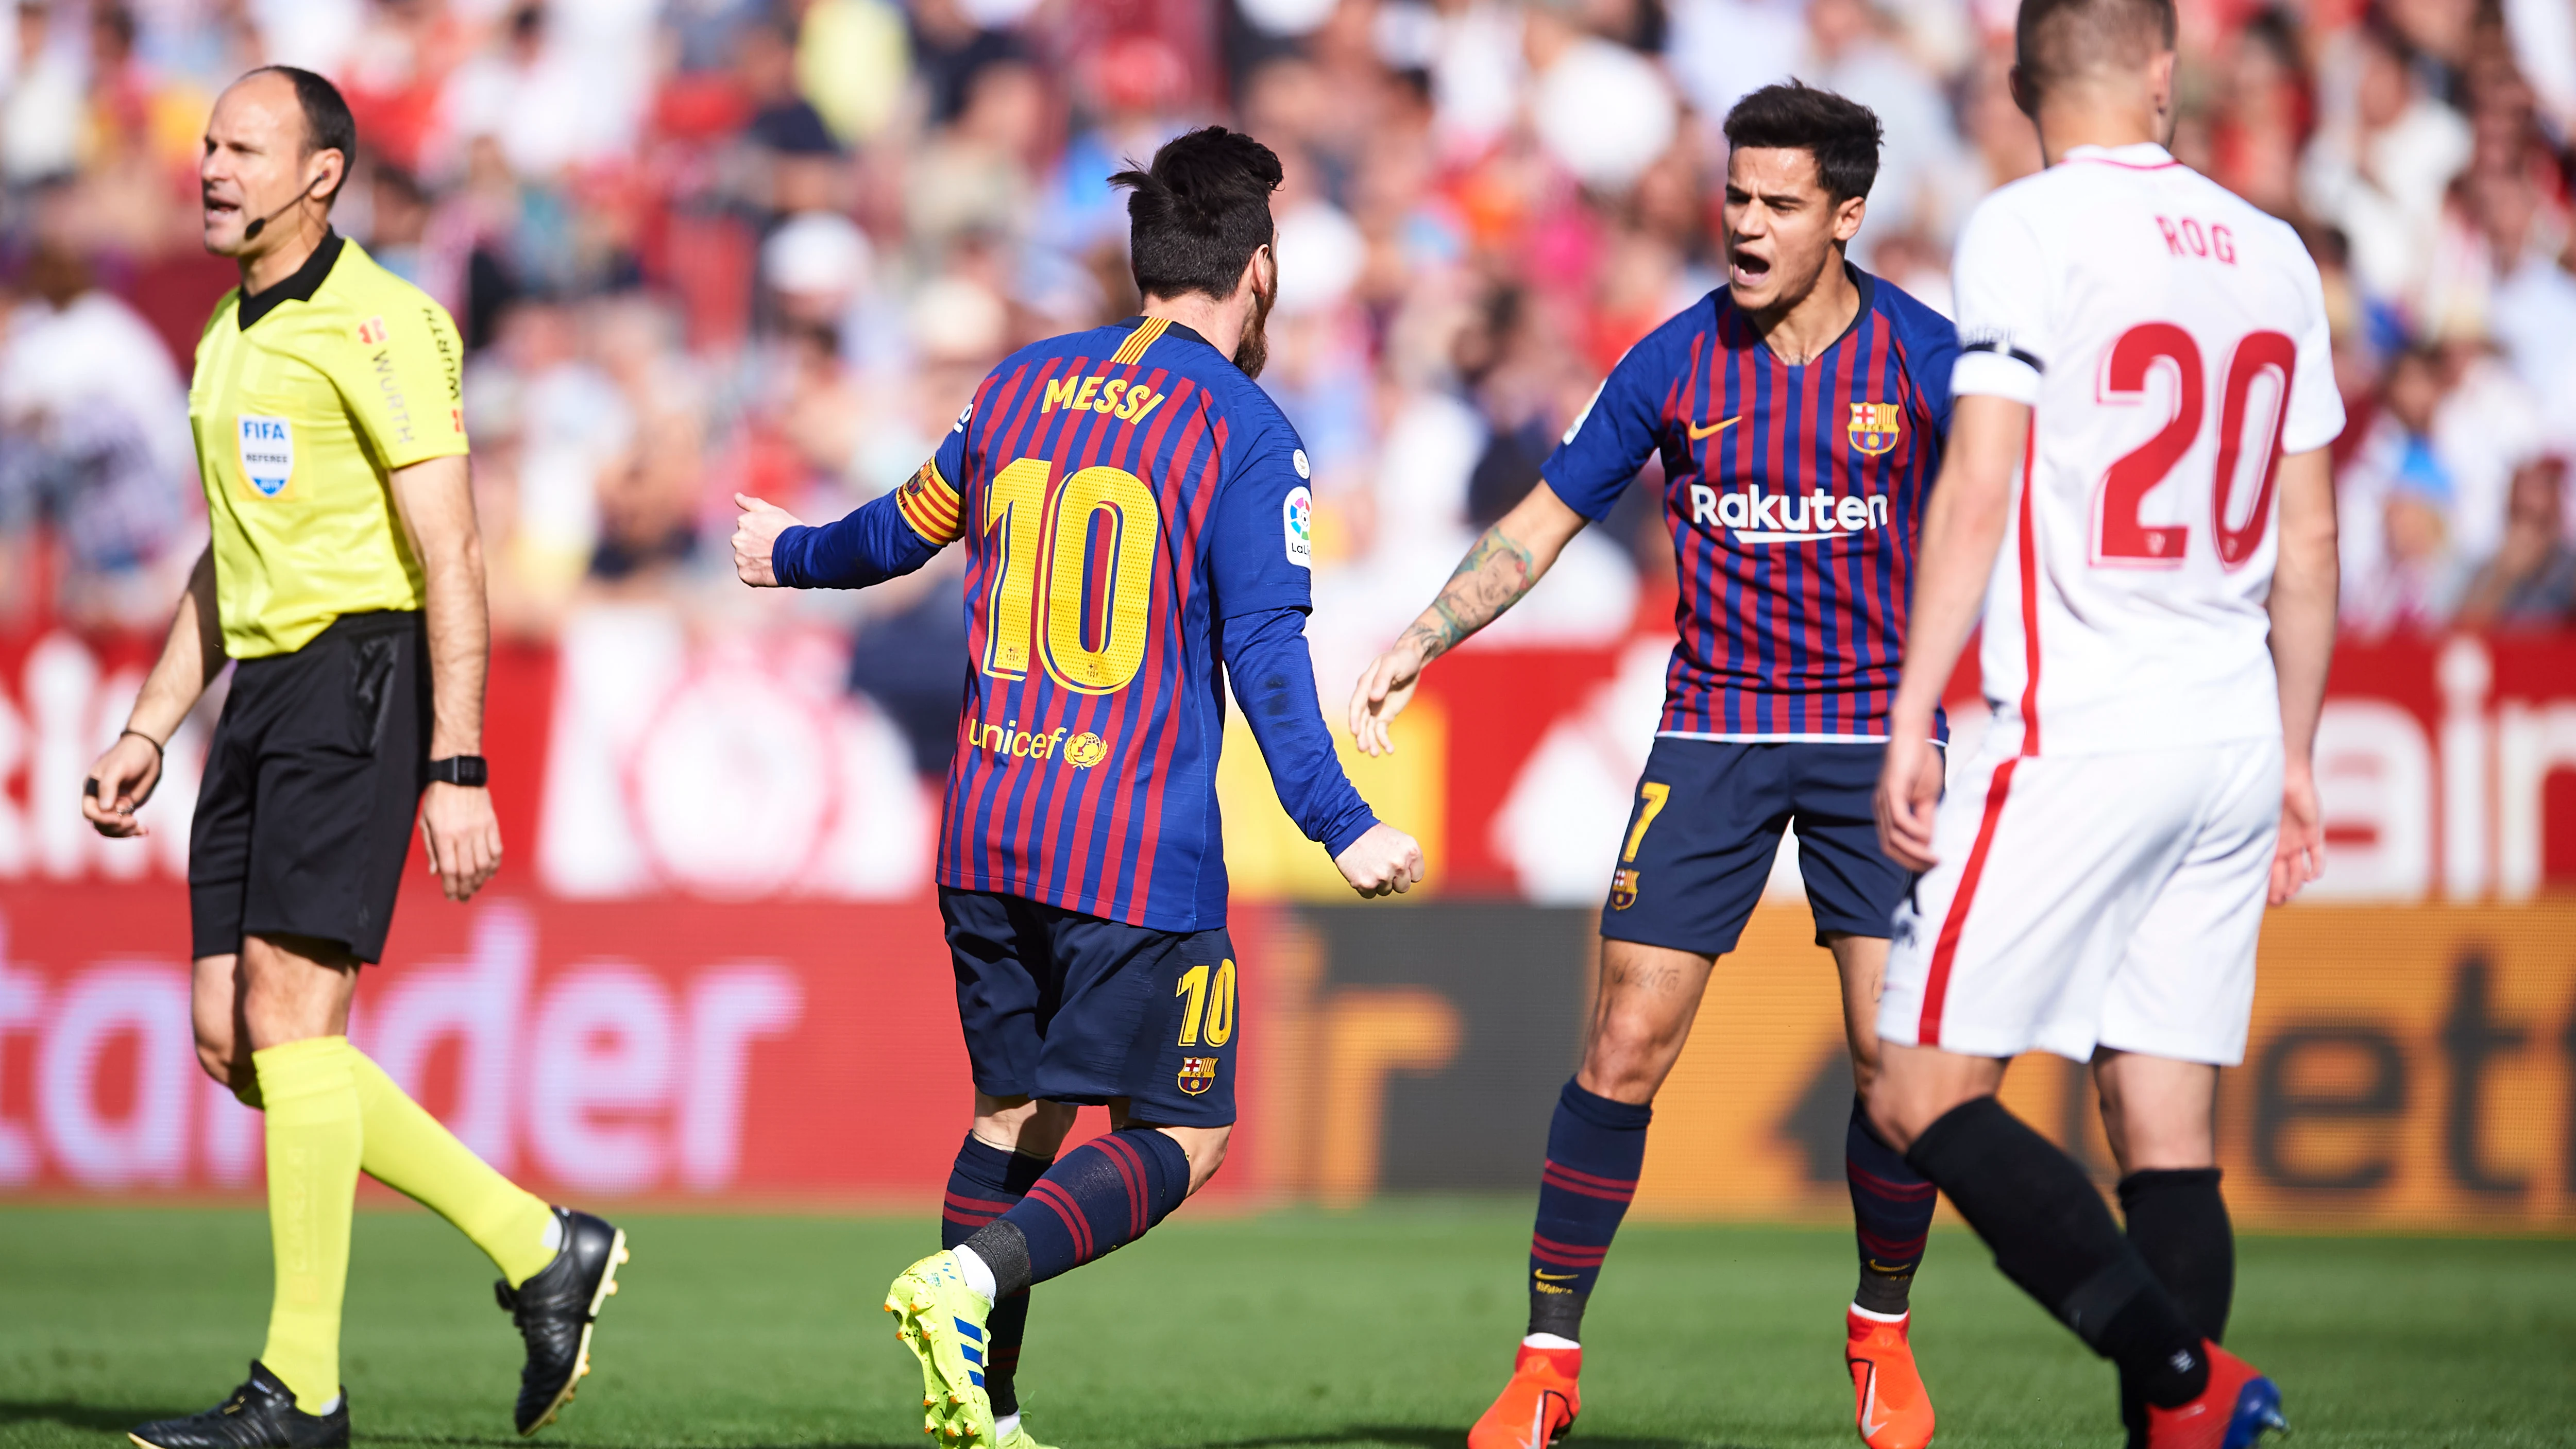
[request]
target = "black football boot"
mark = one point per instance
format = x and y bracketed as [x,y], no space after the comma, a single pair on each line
[555,1309]
[261,1414]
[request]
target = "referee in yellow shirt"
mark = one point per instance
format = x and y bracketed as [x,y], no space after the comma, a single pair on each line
[346,579]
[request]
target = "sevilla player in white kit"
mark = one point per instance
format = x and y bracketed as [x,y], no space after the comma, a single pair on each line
[2137,504]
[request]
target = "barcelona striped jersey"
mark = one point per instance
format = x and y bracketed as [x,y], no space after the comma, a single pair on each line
[1126,498]
[1794,495]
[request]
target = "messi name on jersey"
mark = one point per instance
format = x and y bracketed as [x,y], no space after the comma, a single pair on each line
[1120,494]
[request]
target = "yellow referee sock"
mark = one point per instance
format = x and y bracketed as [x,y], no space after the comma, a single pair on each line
[409,1151]
[313,1149]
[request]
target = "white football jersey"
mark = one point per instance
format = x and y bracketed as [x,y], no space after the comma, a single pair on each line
[2171,342]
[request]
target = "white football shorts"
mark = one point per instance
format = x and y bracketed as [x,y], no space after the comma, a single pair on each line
[2091,900]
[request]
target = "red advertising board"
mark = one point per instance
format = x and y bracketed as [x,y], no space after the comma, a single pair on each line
[712,965]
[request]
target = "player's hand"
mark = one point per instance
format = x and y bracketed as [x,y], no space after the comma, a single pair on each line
[755,534]
[118,785]
[1386,861]
[1385,688]
[2301,855]
[1909,795]
[463,837]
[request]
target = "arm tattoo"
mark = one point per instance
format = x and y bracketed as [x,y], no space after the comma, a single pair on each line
[1490,579]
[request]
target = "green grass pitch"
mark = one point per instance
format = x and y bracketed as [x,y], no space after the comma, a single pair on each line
[1384,1327]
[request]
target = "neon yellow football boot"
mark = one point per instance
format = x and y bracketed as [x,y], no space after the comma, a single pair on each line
[1021,1438]
[942,1321]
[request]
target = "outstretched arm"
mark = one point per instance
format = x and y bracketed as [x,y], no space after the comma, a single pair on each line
[873,543]
[1506,563]
[2304,583]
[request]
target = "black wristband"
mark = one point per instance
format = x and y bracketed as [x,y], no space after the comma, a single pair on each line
[466,770]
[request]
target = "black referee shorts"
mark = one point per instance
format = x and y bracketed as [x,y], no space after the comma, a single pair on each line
[311,789]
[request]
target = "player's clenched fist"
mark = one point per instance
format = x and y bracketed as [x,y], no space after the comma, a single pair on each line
[1386,861]
[755,533]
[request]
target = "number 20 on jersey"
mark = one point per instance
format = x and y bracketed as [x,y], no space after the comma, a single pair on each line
[1071,580]
[2121,539]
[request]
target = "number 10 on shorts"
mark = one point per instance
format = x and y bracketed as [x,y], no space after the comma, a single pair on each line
[1211,1005]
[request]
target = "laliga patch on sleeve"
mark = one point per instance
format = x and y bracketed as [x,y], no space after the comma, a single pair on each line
[1297,521]
[1582,417]
[267,453]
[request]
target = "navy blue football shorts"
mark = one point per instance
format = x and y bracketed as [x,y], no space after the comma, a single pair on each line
[1066,1007]
[1706,825]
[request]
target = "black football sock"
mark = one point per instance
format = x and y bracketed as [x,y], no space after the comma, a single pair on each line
[985,1183]
[2179,1223]
[1095,1200]
[1595,1147]
[1891,1215]
[2052,1235]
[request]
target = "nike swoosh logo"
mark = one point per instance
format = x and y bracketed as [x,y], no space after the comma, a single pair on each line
[1869,1406]
[1698,432]
[1556,1277]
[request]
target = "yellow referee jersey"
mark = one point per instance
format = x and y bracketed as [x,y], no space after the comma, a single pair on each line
[306,399]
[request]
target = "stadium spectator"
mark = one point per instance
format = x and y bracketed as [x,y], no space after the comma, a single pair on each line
[924,181]
[94,444]
[2415,580]
[2530,582]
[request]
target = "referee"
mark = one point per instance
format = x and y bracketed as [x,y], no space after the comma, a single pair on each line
[346,579]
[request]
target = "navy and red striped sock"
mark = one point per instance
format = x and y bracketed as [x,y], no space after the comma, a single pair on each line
[985,1183]
[1097,1198]
[1595,1147]
[1891,1215]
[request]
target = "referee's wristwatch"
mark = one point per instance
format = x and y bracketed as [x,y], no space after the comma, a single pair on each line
[466,770]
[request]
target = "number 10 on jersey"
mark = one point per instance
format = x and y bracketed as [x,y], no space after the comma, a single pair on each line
[1088,634]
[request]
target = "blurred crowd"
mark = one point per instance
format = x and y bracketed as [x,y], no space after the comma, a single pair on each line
[700,247]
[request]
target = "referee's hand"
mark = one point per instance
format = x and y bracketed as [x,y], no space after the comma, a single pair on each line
[463,837]
[118,785]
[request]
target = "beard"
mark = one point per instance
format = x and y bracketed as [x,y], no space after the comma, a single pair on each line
[1253,353]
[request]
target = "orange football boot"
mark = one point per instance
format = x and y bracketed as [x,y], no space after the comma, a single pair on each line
[1538,1406]
[2237,1408]
[1892,1409]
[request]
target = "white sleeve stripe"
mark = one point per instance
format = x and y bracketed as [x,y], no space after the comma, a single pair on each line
[1994,374]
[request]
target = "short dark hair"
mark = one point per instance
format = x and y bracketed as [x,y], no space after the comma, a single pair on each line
[328,126]
[2056,40]
[1199,212]
[1840,133]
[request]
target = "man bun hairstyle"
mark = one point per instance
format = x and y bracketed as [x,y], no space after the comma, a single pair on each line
[1196,216]
[2058,40]
[1842,134]
[328,126]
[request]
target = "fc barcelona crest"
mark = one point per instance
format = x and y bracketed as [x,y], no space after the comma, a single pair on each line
[1623,890]
[1197,1074]
[1875,426]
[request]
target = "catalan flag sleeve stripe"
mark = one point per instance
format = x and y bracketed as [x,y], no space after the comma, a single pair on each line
[931,507]
[877,542]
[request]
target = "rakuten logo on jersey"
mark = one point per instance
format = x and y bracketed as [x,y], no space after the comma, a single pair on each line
[1758,517]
